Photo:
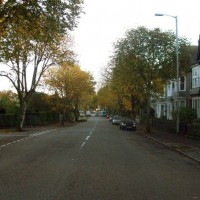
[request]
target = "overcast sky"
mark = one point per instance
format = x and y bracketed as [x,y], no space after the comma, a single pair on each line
[105,21]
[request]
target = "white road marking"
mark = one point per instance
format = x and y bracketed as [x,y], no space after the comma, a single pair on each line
[93,130]
[5,145]
[82,145]
[87,138]
[41,133]
[30,136]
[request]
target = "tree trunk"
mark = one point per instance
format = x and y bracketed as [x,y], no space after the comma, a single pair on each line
[121,106]
[76,112]
[147,125]
[22,113]
[63,117]
[133,101]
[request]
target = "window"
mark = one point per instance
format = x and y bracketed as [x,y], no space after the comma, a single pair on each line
[169,89]
[196,105]
[182,83]
[196,77]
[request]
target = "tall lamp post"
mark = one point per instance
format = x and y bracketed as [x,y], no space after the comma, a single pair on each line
[177,66]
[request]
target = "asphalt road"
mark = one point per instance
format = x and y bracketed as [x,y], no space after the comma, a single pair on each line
[95,160]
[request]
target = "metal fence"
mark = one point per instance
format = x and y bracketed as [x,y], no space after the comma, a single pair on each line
[191,130]
[166,125]
[31,119]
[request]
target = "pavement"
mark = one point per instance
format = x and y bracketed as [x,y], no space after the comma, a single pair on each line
[9,136]
[179,143]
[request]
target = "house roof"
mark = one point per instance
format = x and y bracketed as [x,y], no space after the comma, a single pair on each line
[194,50]
[195,60]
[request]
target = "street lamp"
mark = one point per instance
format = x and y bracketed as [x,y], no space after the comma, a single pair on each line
[177,66]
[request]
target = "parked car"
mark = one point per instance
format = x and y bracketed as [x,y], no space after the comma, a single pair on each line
[127,124]
[111,117]
[82,117]
[103,113]
[93,114]
[88,113]
[116,120]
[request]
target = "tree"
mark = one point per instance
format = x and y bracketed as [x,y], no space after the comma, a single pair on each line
[59,15]
[108,99]
[94,102]
[8,102]
[39,102]
[32,40]
[144,60]
[73,86]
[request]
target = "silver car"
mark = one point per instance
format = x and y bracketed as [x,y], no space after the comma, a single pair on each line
[116,120]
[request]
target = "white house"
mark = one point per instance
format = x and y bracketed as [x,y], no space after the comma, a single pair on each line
[195,83]
[167,103]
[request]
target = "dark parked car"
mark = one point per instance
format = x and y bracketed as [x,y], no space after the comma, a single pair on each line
[127,124]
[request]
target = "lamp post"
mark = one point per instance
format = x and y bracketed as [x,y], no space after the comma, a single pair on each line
[177,66]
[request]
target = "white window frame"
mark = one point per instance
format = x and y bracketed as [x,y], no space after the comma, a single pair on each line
[196,77]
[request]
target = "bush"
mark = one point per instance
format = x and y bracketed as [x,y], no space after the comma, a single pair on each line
[186,114]
[196,121]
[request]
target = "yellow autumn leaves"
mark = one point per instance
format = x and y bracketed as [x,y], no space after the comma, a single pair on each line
[73,86]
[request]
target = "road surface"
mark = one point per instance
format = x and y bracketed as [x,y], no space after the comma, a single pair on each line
[95,160]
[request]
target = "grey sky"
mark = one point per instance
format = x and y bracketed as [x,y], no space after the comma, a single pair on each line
[105,21]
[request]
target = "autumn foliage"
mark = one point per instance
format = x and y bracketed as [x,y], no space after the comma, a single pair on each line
[73,88]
